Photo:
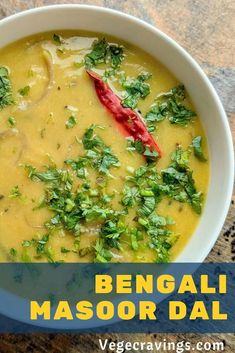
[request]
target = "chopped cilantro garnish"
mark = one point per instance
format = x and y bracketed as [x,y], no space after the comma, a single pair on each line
[139,147]
[71,122]
[150,155]
[179,114]
[79,166]
[135,236]
[161,238]
[179,182]
[110,72]
[102,254]
[90,140]
[72,208]
[64,250]
[24,91]
[76,205]
[27,243]
[25,256]
[15,192]
[156,113]
[57,39]
[13,252]
[180,158]
[197,148]
[98,155]
[77,64]
[11,121]
[148,206]
[51,174]
[135,89]
[142,190]
[111,232]
[116,55]
[130,196]
[170,105]
[98,53]
[103,52]
[86,251]
[5,88]
[41,248]
[145,188]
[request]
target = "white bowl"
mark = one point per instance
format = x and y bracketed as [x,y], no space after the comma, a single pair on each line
[187,71]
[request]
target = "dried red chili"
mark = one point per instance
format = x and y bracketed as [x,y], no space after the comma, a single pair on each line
[129,121]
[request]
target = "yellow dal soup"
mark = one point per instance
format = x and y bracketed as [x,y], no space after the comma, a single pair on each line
[79,181]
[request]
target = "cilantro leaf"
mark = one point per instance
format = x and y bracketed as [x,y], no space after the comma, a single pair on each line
[197,148]
[13,252]
[57,39]
[71,122]
[63,250]
[101,253]
[11,121]
[135,236]
[130,196]
[41,248]
[111,232]
[170,105]
[161,238]
[5,88]
[156,113]
[97,155]
[15,192]
[116,54]
[102,52]
[180,158]
[24,91]
[139,147]
[135,89]
[179,182]
[148,206]
[49,175]
[179,114]
[97,54]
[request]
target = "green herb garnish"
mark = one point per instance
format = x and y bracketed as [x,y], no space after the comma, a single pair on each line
[135,89]
[72,207]
[64,250]
[111,232]
[13,252]
[71,122]
[179,183]
[5,88]
[135,236]
[57,39]
[170,105]
[139,147]
[161,238]
[102,254]
[98,155]
[41,247]
[102,52]
[15,192]
[197,148]
[11,121]
[24,91]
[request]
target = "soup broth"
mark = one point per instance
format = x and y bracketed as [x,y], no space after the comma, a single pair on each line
[74,185]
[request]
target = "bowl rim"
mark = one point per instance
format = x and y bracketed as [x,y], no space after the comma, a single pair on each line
[216,101]
[208,245]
